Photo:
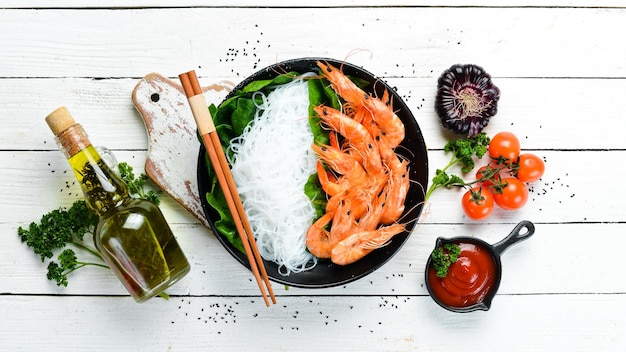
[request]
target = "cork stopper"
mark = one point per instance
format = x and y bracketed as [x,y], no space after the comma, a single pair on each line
[69,135]
[59,120]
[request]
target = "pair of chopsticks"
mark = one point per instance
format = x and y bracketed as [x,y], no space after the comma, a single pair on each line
[211,142]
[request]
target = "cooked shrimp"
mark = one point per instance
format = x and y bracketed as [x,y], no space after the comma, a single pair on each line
[371,219]
[343,86]
[318,239]
[359,201]
[329,183]
[333,139]
[342,163]
[363,106]
[355,134]
[396,191]
[334,142]
[361,173]
[337,160]
[390,126]
[385,148]
[343,221]
[358,245]
[362,196]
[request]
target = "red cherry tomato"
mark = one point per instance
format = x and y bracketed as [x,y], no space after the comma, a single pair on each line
[478,203]
[504,146]
[531,168]
[485,172]
[513,195]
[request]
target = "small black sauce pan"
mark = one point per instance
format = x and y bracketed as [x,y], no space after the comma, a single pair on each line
[522,231]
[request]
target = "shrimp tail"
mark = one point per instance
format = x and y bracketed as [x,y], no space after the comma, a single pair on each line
[360,244]
[318,239]
[329,186]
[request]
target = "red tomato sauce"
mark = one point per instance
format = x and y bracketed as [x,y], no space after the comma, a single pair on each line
[469,279]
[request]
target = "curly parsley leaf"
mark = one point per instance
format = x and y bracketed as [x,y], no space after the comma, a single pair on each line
[464,152]
[58,229]
[445,256]
[137,185]
[466,149]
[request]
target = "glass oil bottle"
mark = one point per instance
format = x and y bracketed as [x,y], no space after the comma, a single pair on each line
[132,235]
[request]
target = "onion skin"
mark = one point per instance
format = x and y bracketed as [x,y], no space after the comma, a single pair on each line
[466,99]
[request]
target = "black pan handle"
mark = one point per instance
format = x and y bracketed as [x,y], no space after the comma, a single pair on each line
[522,231]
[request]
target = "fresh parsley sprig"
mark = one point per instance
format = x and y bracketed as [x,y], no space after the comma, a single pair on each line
[464,151]
[136,186]
[58,229]
[444,256]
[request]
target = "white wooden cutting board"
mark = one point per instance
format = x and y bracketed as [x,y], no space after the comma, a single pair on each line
[173,145]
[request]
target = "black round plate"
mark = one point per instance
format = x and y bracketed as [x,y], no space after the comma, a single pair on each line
[327,274]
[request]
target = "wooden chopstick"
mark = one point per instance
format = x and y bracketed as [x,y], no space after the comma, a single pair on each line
[211,142]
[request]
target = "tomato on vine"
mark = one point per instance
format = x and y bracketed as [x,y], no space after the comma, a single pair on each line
[530,167]
[488,175]
[502,182]
[504,148]
[510,194]
[478,203]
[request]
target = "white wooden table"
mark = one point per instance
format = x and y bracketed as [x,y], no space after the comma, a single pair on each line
[561,67]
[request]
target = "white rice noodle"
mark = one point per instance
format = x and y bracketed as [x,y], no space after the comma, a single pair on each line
[272,162]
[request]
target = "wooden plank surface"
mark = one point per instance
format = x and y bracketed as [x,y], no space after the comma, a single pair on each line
[533,267]
[369,323]
[559,64]
[572,106]
[420,42]
[47,4]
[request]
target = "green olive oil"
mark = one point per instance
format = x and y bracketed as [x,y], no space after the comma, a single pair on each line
[132,235]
